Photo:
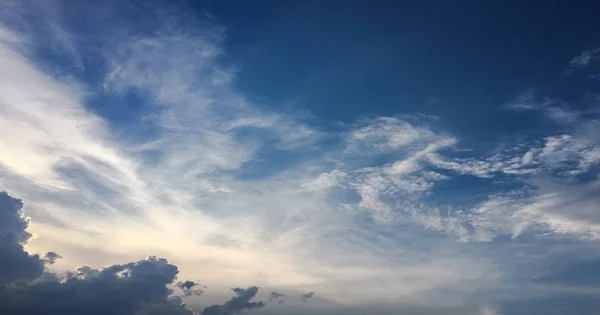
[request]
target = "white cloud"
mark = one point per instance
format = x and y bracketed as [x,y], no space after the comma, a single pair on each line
[386,134]
[326,180]
[98,199]
[555,110]
[585,58]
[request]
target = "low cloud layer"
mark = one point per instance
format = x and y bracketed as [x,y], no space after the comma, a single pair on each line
[136,288]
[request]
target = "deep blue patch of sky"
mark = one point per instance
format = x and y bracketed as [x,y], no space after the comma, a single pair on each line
[460,61]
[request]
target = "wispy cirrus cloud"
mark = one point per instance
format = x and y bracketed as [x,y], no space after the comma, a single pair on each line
[585,58]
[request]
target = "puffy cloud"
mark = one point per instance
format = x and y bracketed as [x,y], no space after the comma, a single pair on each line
[13,226]
[51,257]
[85,272]
[238,303]
[16,264]
[134,288]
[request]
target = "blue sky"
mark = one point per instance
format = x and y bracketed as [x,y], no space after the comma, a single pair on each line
[355,157]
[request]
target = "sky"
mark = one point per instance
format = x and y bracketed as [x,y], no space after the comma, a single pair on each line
[299,157]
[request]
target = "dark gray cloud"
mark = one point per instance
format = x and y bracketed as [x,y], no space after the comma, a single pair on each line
[306,296]
[190,288]
[15,263]
[238,303]
[276,296]
[51,257]
[135,288]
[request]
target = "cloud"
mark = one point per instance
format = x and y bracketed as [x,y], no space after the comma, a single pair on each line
[555,110]
[525,101]
[64,160]
[16,264]
[276,296]
[188,288]
[585,58]
[134,288]
[396,192]
[118,289]
[304,297]
[51,257]
[386,134]
[238,303]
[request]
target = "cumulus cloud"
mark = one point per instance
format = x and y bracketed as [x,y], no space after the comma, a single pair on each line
[16,264]
[134,288]
[51,257]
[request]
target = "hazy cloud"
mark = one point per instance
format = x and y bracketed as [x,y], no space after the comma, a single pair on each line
[585,58]
[306,296]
